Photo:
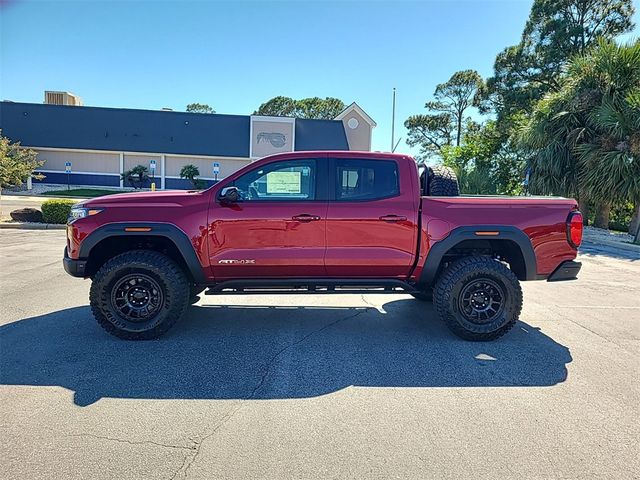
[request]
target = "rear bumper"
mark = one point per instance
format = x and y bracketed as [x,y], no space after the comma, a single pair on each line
[75,268]
[566,271]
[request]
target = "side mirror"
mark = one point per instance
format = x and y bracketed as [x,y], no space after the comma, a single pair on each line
[229,195]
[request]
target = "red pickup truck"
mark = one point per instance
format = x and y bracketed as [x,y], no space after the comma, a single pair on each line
[320,222]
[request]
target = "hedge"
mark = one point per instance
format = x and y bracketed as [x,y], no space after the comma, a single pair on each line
[57,211]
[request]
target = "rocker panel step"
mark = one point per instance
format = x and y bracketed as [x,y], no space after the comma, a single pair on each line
[291,286]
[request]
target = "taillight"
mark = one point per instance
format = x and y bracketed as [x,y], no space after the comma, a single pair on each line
[574,229]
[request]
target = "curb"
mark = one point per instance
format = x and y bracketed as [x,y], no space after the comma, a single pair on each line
[39,198]
[628,247]
[31,226]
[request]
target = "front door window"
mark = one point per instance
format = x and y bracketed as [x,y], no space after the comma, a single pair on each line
[281,181]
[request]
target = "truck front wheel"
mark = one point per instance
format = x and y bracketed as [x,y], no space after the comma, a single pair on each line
[478,298]
[139,295]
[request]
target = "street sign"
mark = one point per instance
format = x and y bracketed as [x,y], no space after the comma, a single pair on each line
[216,170]
[152,168]
[67,168]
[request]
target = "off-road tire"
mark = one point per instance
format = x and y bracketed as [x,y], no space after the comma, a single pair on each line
[424,296]
[174,287]
[443,182]
[469,272]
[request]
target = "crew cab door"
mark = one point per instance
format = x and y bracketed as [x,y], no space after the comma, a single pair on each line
[277,228]
[371,218]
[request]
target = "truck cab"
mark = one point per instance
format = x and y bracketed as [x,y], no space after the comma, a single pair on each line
[340,215]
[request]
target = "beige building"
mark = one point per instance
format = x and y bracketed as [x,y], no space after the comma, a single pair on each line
[358,126]
[97,145]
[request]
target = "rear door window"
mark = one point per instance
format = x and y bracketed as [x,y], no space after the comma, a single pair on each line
[361,180]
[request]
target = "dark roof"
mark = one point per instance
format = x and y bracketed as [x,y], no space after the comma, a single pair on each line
[121,129]
[320,135]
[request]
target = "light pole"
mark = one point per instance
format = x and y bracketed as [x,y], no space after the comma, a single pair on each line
[393,120]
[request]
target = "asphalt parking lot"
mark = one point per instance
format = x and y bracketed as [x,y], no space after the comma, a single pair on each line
[350,386]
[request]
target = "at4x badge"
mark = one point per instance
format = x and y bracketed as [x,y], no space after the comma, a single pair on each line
[236,262]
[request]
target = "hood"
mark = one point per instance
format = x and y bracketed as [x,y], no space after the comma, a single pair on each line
[159,198]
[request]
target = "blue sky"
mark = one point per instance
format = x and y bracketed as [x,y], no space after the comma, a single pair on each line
[234,56]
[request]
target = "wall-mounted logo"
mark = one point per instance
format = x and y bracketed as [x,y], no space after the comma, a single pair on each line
[276,140]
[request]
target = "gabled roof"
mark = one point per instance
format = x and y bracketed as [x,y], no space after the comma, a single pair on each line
[355,107]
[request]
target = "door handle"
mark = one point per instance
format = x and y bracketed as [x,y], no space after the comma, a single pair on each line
[305,217]
[393,218]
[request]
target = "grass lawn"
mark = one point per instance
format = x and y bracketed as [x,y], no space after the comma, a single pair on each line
[81,192]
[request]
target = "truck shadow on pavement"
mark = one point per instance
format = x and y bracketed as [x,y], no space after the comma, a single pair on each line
[265,352]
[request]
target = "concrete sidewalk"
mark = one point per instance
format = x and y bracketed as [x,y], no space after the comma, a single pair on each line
[36,198]
[598,237]
[32,226]
[9,203]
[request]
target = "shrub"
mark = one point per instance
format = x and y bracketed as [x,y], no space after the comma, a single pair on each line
[199,184]
[137,177]
[27,215]
[57,211]
[191,173]
[621,215]
[16,163]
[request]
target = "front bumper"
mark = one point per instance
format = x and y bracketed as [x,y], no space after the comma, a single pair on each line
[566,271]
[75,268]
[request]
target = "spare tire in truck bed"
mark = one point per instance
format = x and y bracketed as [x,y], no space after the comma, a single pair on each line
[442,182]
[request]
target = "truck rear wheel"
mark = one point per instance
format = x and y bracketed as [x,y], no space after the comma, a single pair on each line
[443,182]
[139,295]
[478,298]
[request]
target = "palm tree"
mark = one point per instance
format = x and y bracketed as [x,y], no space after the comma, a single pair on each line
[610,158]
[584,140]
[550,137]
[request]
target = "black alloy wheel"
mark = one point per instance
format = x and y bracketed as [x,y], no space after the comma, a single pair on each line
[481,300]
[137,297]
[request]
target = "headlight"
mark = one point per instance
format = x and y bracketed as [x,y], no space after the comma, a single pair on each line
[79,212]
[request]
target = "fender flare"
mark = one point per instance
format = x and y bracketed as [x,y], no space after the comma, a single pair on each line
[460,234]
[166,230]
